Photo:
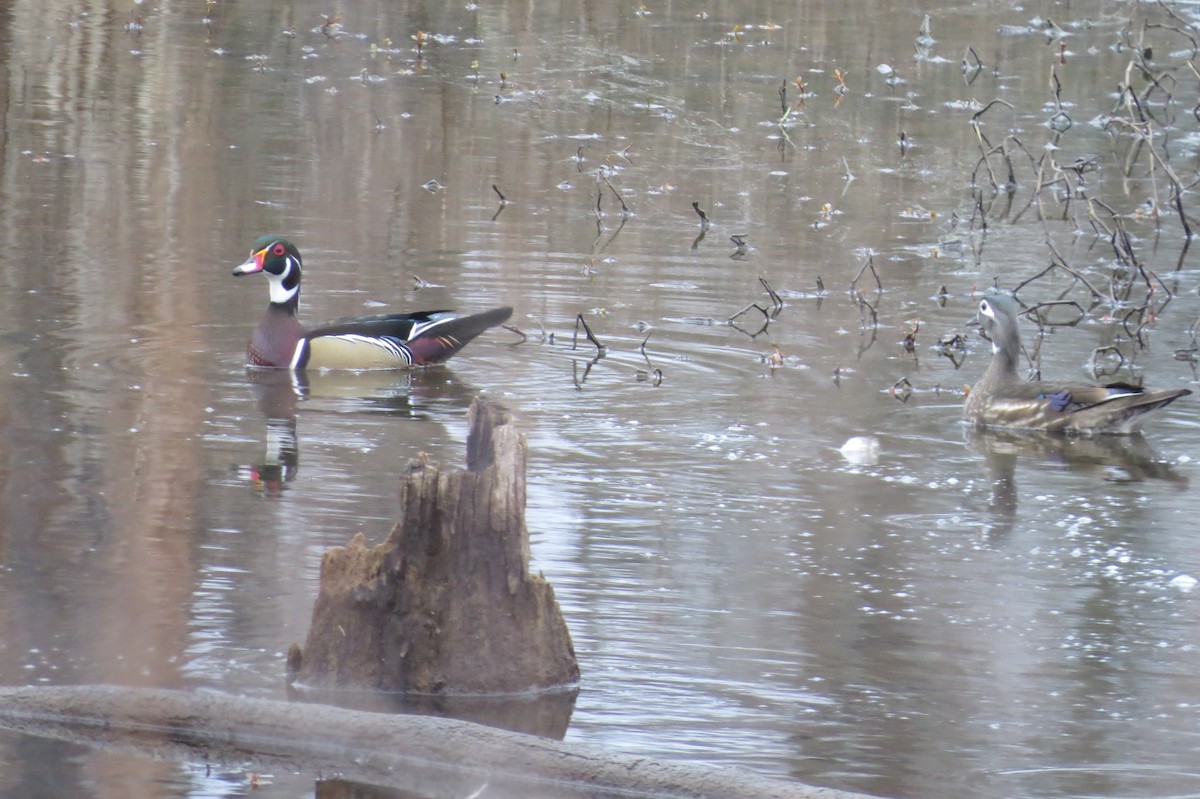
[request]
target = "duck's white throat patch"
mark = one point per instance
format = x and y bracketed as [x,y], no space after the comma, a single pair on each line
[279,292]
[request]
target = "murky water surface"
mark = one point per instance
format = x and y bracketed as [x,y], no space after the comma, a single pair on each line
[984,617]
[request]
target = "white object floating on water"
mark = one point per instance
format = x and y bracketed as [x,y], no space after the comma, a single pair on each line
[1184,582]
[861,450]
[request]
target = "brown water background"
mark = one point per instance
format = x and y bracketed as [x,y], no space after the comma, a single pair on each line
[985,618]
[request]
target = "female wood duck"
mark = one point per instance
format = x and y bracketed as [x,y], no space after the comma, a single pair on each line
[385,341]
[1002,399]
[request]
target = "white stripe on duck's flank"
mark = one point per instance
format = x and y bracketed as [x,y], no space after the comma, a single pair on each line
[355,351]
[299,356]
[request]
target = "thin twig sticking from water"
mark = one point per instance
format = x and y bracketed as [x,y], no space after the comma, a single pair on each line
[580,321]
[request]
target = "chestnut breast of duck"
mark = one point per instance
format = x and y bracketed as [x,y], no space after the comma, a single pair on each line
[383,341]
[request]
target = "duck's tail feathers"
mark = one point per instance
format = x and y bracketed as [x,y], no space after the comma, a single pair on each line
[1125,413]
[442,338]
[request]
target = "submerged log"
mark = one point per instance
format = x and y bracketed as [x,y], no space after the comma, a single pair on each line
[446,604]
[422,755]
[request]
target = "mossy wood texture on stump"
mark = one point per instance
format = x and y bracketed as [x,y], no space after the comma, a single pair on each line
[446,604]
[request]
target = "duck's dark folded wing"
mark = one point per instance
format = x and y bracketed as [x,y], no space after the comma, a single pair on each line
[404,327]
[1117,408]
[1085,395]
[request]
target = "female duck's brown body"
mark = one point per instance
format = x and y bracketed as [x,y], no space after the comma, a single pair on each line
[1002,399]
[385,341]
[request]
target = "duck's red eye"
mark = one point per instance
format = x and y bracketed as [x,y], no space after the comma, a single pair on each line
[278,250]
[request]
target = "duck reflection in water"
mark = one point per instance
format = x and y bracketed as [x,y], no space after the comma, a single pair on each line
[410,394]
[1121,459]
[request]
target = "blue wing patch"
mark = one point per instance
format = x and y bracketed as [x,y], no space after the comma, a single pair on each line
[1059,400]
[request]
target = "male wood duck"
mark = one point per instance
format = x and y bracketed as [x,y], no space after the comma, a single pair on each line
[1002,398]
[385,341]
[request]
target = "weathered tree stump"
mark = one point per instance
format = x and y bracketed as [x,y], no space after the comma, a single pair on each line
[446,604]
